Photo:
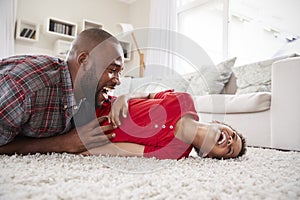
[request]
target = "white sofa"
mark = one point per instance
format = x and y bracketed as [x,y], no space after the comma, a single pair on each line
[266,119]
[285,107]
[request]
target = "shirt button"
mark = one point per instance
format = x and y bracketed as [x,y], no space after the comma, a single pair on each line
[171,127]
[75,107]
[65,106]
[155,126]
[163,126]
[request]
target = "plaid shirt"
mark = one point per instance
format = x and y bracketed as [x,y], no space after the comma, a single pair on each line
[36,97]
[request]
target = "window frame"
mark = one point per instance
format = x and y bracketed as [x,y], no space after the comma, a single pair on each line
[225,22]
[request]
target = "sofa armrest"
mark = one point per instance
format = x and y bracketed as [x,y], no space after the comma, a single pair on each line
[224,103]
[285,108]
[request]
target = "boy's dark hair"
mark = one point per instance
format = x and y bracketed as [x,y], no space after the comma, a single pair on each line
[243,139]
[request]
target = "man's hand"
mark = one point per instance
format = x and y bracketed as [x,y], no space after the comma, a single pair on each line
[88,136]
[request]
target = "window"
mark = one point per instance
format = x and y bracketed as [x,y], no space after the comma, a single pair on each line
[250,30]
[203,23]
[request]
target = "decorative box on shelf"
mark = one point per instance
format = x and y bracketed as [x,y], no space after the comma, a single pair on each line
[61,28]
[86,24]
[61,48]
[126,49]
[27,30]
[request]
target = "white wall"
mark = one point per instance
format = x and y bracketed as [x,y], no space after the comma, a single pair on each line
[107,12]
[139,13]
[139,17]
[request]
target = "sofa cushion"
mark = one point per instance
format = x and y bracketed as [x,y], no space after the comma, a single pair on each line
[129,85]
[150,84]
[210,80]
[175,82]
[255,77]
[230,87]
[244,103]
[124,87]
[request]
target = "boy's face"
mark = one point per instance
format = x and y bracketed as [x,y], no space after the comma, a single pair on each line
[227,143]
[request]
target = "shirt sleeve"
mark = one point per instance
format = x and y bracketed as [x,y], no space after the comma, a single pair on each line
[12,112]
[182,100]
[162,94]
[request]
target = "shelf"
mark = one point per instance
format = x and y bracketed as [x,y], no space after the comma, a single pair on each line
[61,48]
[61,28]
[86,24]
[27,30]
[126,49]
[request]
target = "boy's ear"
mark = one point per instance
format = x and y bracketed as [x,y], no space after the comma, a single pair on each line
[205,155]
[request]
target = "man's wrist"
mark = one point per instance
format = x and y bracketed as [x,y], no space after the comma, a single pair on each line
[66,142]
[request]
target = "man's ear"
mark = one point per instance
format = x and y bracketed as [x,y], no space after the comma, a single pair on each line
[82,58]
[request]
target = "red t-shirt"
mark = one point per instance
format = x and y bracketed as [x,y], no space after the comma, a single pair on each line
[152,122]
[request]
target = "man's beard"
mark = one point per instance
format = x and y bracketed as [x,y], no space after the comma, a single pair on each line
[89,84]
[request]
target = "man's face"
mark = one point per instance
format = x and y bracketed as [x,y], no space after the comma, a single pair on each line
[103,72]
[109,80]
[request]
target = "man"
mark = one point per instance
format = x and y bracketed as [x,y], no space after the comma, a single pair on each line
[42,97]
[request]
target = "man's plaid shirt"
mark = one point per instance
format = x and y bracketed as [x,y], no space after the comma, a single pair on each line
[36,97]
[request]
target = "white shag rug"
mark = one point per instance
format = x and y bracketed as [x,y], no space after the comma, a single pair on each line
[260,174]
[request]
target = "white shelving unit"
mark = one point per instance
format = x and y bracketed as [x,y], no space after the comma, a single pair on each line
[61,48]
[61,28]
[86,24]
[27,30]
[126,49]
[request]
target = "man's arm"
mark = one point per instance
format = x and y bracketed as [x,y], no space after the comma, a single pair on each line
[117,149]
[26,145]
[75,141]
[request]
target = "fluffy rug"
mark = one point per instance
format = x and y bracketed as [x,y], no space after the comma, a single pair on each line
[260,174]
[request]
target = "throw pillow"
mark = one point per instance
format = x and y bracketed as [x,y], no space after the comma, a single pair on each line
[124,87]
[177,83]
[255,77]
[210,79]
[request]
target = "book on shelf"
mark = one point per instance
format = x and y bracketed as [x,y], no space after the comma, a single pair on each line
[51,26]
[61,28]
[23,32]
[32,35]
[70,30]
[28,33]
